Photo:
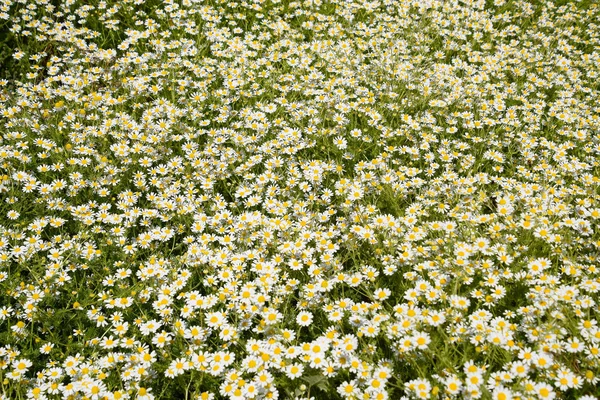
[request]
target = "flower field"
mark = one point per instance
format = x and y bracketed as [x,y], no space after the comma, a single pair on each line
[318,199]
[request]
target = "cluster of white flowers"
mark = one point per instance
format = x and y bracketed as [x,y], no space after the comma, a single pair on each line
[267,199]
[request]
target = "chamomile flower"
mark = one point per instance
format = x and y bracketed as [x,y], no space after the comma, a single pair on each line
[304,318]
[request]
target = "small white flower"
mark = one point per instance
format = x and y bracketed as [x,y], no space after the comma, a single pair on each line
[304,318]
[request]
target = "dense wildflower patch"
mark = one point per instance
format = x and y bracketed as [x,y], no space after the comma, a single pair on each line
[300,199]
